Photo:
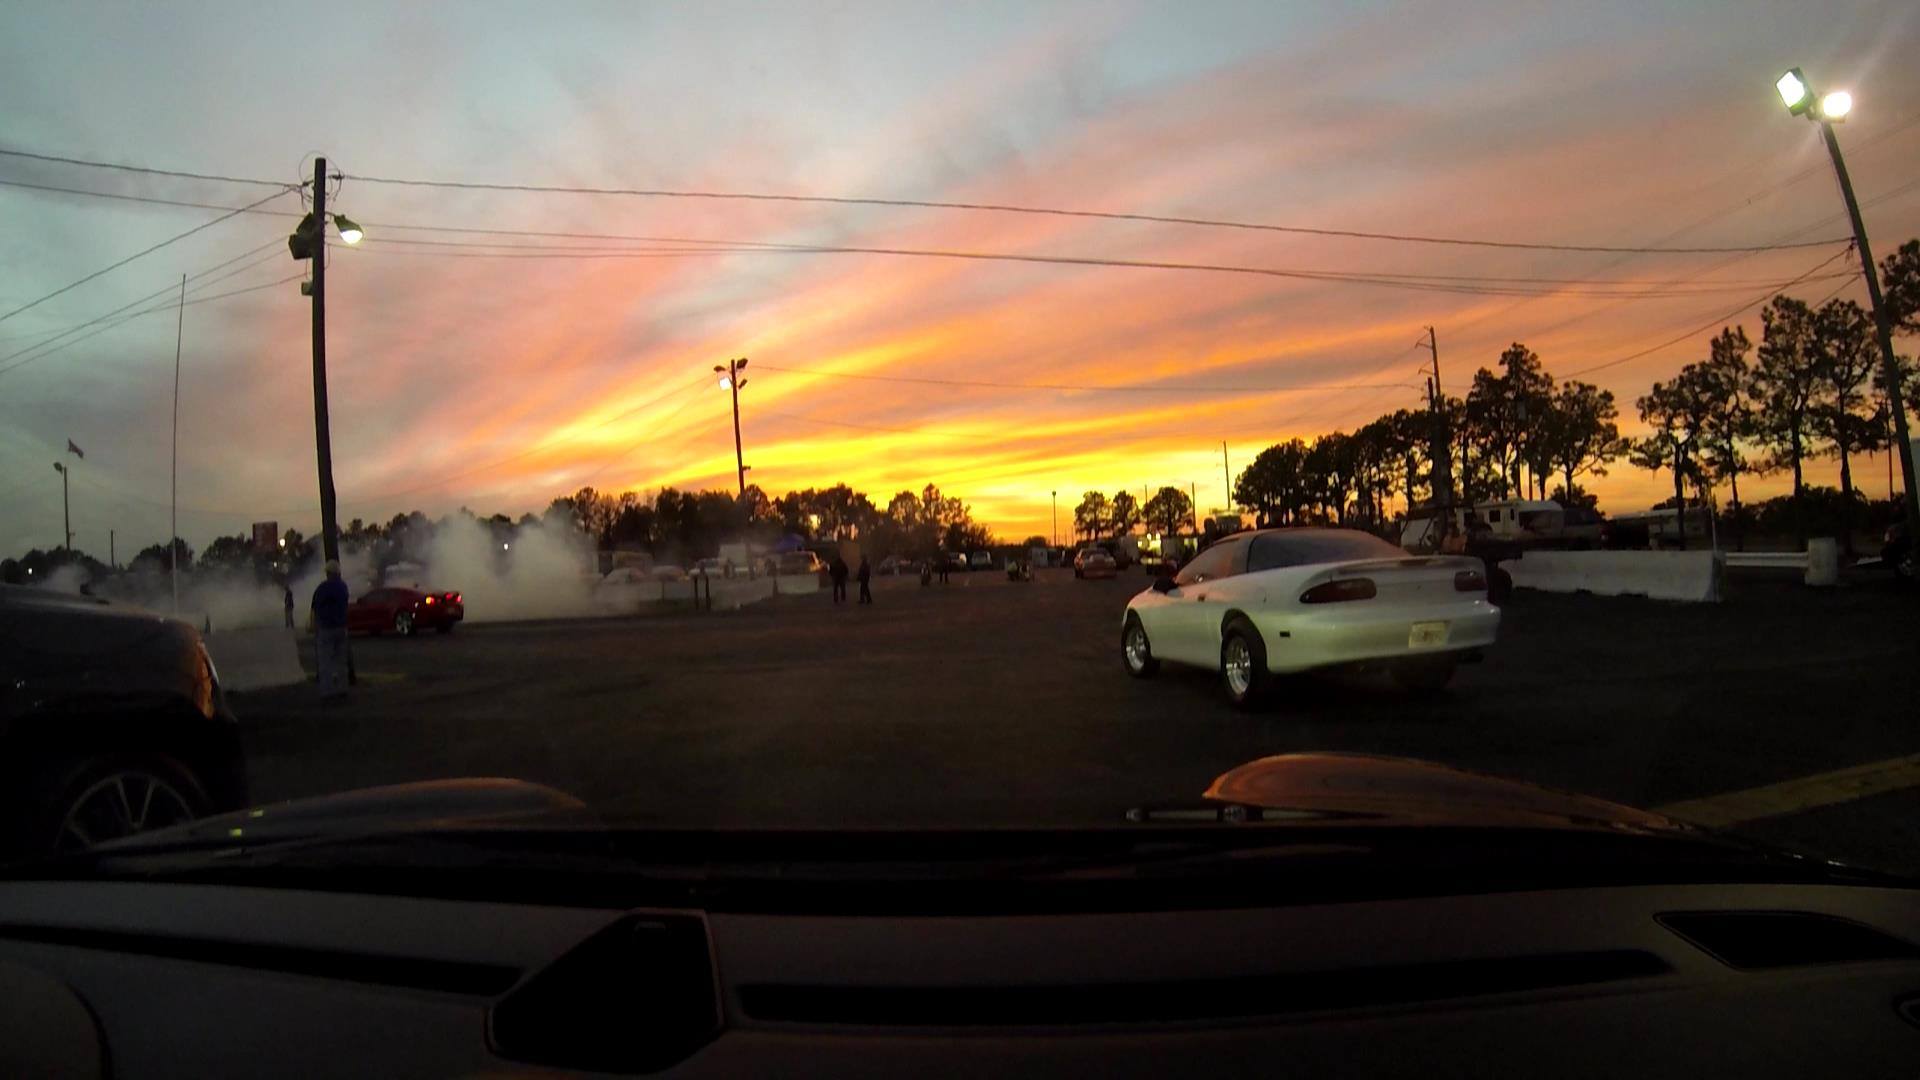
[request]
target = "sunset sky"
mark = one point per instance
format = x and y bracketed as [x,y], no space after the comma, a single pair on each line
[497,370]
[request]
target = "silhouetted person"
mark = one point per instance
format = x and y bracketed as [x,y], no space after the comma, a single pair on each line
[946,565]
[330,634]
[865,572]
[837,570]
[289,605]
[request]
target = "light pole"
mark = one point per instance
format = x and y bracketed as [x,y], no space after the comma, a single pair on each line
[731,379]
[66,514]
[309,241]
[1827,110]
[1056,519]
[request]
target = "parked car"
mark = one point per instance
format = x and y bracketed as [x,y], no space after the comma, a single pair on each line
[980,560]
[112,722]
[667,572]
[957,560]
[405,611]
[1280,601]
[795,562]
[709,568]
[1094,562]
[896,564]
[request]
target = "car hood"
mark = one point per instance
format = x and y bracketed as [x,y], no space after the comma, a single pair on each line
[425,806]
[1405,791]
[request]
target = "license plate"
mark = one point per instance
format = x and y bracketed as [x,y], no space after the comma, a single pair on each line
[1427,634]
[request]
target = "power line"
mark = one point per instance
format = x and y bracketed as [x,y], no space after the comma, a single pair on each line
[146,251]
[1711,323]
[1068,387]
[723,247]
[140,169]
[1410,282]
[163,291]
[1006,208]
[1476,285]
[152,311]
[932,204]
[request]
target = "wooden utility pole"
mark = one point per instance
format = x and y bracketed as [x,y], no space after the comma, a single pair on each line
[1226,471]
[1439,450]
[322,430]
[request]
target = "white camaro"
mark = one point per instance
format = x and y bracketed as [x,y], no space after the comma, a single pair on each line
[1281,601]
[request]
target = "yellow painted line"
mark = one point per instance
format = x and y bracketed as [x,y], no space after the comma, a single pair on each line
[1804,793]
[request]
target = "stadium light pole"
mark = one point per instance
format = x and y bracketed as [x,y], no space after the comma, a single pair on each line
[66,512]
[1827,110]
[732,380]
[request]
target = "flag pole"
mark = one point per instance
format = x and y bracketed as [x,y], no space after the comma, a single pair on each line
[173,522]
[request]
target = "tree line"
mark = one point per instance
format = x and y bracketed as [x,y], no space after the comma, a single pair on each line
[1811,388]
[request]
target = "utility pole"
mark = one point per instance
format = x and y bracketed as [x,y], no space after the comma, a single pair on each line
[1889,367]
[113,561]
[1056,519]
[322,430]
[66,512]
[731,379]
[1193,500]
[1439,450]
[173,519]
[1226,472]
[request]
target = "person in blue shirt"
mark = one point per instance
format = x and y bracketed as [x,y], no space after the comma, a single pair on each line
[330,633]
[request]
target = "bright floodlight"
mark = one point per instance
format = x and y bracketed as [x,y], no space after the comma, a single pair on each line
[349,231]
[726,382]
[1793,91]
[1837,105]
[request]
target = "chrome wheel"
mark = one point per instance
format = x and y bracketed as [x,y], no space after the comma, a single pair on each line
[1136,647]
[403,623]
[1237,662]
[121,804]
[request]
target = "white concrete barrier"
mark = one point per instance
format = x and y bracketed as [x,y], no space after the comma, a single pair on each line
[1662,575]
[256,659]
[1823,561]
[731,594]
[796,584]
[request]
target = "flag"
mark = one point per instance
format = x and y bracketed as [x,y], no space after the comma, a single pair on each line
[74,450]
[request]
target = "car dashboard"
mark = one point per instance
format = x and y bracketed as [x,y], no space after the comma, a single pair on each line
[156,979]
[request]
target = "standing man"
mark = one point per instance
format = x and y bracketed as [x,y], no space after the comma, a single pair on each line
[940,556]
[289,604]
[330,634]
[837,570]
[865,572]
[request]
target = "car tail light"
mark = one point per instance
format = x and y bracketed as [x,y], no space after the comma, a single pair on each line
[1470,581]
[429,599]
[1333,592]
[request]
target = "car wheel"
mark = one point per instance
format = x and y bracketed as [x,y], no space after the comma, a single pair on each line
[403,623]
[1426,674]
[1136,650]
[101,799]
[1243,664]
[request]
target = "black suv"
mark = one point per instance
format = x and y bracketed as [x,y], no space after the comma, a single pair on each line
[112,722]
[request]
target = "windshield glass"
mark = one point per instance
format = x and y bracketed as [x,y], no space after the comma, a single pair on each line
[854,416]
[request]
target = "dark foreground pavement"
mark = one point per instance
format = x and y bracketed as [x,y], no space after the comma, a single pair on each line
[989,702]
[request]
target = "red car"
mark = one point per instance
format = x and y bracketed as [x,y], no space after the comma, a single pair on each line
[404,611]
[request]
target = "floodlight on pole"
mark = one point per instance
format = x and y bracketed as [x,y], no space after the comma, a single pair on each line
[1793,92]
[1800,97]
[350,231]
